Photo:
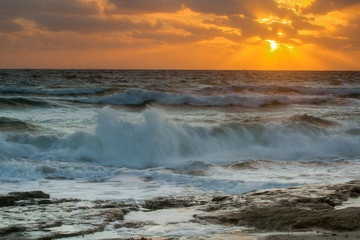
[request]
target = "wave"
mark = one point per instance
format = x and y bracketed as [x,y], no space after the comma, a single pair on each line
[140,97]
[13,124]
[156,142]
[305,118]
[55,92]
[22,102]
[276,89]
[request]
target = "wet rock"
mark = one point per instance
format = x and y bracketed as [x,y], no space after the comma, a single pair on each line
[170,202]
[12,229]
[293,209]
[142,238]
[33,215]
[27,217]
[277,218]
[219,198]
[12,197]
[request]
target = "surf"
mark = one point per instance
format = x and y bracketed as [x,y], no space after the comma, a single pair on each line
[155,141]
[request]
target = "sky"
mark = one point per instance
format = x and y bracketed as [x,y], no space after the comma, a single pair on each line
[181,34]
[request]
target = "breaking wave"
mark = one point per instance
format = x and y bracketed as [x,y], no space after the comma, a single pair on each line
[140,97]
[156,142]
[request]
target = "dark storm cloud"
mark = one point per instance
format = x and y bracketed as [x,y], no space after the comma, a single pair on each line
[325,6]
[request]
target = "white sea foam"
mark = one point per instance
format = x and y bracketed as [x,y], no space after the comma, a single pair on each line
[154,141]
[169,223]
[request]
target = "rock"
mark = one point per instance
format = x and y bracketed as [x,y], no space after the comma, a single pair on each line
[30,215]
[29,195]
[219,198]
[293,209]
[171,202]
[277,218]
[11,198]
[33,215]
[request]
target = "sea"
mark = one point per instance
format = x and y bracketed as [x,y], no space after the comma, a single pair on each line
[138,134]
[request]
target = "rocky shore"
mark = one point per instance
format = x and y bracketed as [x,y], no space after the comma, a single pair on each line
[301,212]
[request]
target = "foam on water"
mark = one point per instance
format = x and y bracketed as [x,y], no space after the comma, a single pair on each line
[223,131]
[168,223]
[156,142]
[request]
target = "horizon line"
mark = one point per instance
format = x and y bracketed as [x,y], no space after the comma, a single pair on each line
[182,69]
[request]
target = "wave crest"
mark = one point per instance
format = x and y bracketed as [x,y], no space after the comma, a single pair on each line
[154,142]
[140,97]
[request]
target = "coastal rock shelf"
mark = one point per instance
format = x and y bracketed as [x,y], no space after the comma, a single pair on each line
[298,208]
[317,208]
[33,215]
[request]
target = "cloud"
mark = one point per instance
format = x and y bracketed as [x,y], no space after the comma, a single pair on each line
[148,24]
[21,8]
[10,26]
[305,25]
[88,24]
[129,7]
[224,7]
[325,6]
[182,32]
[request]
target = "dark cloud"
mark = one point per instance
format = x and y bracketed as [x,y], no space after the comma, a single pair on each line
[325,42]
[224,7]
[249,27]
[143,6]
[21,8]
[190,33]
[305,25]
[350,33]
[10,10]
[234,20]
[83,24]
[9,26]
[325,6]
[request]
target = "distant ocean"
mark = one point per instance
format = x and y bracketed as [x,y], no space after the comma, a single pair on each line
[136,134]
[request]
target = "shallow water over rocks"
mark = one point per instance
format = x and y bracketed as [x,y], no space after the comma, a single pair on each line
[34,215]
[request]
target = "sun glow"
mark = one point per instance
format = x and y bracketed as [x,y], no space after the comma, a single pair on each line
[273,45]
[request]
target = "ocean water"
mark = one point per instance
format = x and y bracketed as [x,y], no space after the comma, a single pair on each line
[136,134]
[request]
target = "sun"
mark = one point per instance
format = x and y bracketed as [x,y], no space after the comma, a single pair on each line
[273,45]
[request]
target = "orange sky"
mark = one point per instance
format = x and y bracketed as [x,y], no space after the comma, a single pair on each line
[181,34]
